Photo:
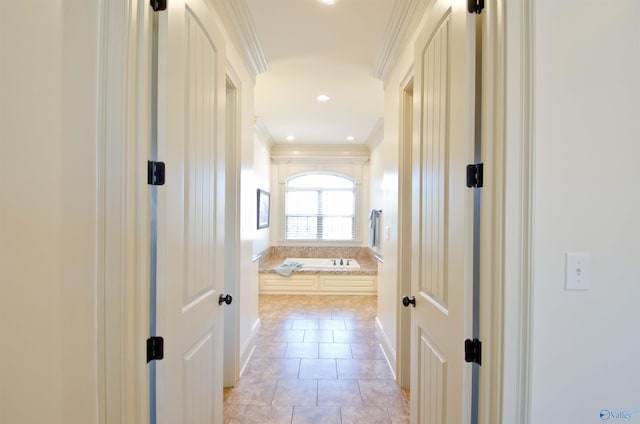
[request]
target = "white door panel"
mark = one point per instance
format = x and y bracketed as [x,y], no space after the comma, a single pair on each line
[441,215]
[190,214]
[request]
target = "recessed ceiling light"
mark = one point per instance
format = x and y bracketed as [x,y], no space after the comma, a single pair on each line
[351,138]
[328,2]
[290,138]
[323,98]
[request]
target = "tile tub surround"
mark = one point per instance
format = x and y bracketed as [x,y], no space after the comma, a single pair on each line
[317,359]
[275,256]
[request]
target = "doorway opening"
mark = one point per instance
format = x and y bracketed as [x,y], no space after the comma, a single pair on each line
[404,233]
[232,204]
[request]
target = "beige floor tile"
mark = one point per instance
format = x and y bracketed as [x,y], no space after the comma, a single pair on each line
[317,359]
[331,324]
[335,350]
[296,392]
[356,336]
[339,393]
[302,350]
[352,324]
[233,413]
[252,392]
[268,414]
[382,393]
[366,351]
[318,368]
[399,415]
[275,324]
[383,372]
[277,367]
[356,368]
[270,350]
[319,315]
[281,336]
[365,415]
[322,336]
[305,324]
[316,415]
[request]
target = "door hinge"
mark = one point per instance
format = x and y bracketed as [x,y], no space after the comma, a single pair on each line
[473,351]
[155,173]
[158,5]
[474,175]
[475,6]
[155,348]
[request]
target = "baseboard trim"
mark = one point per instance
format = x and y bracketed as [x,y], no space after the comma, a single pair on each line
[387,349]
[249,347]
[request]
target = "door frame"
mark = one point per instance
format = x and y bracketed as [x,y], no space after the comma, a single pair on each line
[403,360]
[512,266]
[506,219]
[231,313]
[123,207]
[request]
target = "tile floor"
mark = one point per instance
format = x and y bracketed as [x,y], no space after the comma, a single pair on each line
[317,360]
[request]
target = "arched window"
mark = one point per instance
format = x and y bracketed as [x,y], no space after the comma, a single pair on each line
[320,207]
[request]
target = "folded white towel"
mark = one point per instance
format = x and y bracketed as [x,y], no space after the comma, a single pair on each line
[286,268]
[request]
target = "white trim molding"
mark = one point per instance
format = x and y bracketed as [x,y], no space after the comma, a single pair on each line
[387,349]
[518,224]
[312,153]
[264,136]
[237,20]
[123,248]
[376,135]
[405,16]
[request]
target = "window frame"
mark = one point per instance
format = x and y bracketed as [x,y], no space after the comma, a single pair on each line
[355,189]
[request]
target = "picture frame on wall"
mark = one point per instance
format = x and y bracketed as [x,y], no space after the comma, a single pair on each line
[263,209]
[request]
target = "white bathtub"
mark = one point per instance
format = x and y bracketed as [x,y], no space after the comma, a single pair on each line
[329,263]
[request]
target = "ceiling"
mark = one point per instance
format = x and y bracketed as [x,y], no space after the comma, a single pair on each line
[311,49]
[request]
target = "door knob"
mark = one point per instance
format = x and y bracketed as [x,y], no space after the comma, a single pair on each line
[225,299]
[406,301]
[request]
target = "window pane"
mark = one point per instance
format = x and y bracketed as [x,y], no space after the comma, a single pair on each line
[301,203]
[337,228]
[301,227]
[337,203]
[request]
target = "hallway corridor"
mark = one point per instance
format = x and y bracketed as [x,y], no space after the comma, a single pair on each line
[317,360]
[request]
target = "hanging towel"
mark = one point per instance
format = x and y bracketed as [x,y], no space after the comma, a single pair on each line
[286,268]
[374,228]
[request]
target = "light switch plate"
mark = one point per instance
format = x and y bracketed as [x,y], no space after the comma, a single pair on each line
[577,271]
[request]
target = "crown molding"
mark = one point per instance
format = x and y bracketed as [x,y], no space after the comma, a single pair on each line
[348,153]
[377,134]
[263,133]
[405,16]
[237,20]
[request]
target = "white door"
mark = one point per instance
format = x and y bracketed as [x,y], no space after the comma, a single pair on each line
[442,211]
[191,93]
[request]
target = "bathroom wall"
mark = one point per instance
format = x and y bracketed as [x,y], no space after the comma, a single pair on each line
[255,174]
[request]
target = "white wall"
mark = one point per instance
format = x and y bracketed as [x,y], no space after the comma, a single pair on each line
[262,176]
[247,290]
[586,199]
[48,98]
